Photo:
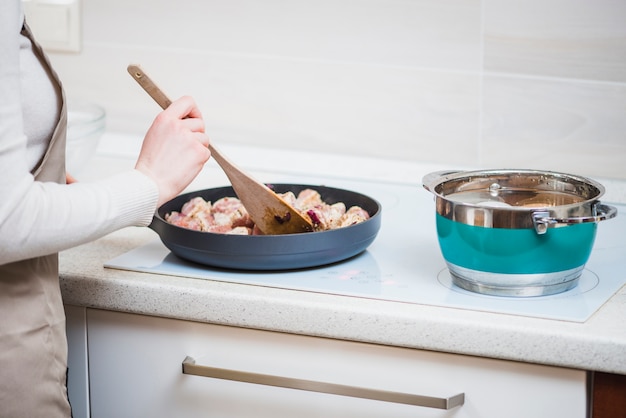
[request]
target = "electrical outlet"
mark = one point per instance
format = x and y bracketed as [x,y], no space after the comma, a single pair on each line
[55,23]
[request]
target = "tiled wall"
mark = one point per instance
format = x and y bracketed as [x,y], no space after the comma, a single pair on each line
[492,83]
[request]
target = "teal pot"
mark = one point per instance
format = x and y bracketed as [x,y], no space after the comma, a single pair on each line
[516,232]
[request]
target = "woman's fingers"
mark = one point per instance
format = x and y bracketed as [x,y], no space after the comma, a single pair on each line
[193,124]
[185,108]
[69,179]
[204,139]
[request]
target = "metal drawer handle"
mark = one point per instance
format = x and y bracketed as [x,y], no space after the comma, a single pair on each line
[190,367]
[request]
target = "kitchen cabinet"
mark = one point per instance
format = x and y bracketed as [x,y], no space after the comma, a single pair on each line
[135,370]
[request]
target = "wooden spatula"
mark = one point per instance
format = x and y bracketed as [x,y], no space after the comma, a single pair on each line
[271,214]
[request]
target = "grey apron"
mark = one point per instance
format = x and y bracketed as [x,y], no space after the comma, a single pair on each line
[33,344]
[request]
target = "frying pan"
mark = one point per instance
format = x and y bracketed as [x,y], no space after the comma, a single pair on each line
[270,252]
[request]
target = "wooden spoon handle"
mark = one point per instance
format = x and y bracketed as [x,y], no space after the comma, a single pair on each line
[149,86]
[162,100]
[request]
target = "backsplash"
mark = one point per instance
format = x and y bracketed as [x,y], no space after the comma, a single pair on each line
[493,83]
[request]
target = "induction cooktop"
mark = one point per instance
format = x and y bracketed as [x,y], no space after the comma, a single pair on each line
[404,263]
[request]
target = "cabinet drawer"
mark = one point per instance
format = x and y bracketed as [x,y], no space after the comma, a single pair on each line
[135,369]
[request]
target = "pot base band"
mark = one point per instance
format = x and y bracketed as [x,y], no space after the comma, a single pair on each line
[516,285]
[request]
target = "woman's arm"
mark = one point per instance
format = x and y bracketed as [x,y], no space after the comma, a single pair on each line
[38,218]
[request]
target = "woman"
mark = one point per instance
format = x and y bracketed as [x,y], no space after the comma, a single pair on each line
[41,215]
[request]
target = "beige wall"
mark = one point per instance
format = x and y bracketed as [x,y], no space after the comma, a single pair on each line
[492,83]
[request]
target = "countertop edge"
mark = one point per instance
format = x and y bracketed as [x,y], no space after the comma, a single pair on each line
[423,327]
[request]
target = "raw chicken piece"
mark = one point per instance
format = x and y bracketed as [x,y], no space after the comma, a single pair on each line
[354,215]
[178,219]
[290,198]
[326,216]
[230,210]
[195,205]
[307,199]
[240,230]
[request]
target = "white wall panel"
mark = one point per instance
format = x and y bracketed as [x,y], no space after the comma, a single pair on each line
[462,83]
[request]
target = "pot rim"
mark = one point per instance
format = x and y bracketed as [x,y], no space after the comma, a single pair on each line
[433,182]
[540,216]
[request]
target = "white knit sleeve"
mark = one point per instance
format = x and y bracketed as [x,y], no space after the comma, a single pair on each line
[45,218]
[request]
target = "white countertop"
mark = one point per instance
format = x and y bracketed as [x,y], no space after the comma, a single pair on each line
[596,344]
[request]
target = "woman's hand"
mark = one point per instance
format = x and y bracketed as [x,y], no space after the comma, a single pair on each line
[69,179]
[175,148]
